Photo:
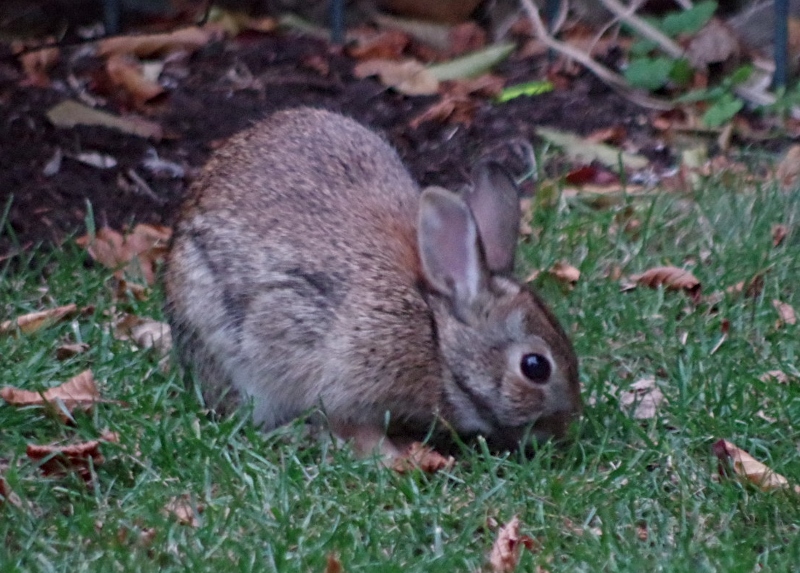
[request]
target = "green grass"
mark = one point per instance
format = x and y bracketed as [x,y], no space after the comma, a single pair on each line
[283,502]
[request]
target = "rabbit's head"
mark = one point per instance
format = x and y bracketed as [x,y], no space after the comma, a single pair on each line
[510,367]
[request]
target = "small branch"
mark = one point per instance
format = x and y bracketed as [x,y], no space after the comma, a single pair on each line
[627,15]
[613,79]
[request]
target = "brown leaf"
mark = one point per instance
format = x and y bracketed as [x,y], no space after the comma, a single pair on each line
[422,457]
[507,547]
[184,511]
[127,73]
[28,323]
[646,395]
[149,45]
[778,375]
[789,168]
[746,466]
[333,565]
[79,392]
[409,76]
[785,312]
[66,351]
[385,45]
[58,460]
[565,272]
[715,43]
[671,278]
[144,332]
[138,253]
[779,233]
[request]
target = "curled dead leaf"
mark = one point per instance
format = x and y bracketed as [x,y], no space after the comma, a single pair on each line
[422,457]
[138,253]
[779,233]
[645,395]
[127,73]
[333,564]
[59,460]
[409,76]
[144,332]
[186,512]
[65,351]
[78,393]
[785,312]
[28,323]
[671,278]
[507,547]
[148,45]
[565,272]
[746,466]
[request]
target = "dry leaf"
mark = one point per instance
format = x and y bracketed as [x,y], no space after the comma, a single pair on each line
[646,395]
[28,323]
[184,511]
[419,456]
[789,168]
[715,43]
[507,547]
[671,278]
[7,495]
[386,45]
[127,73]
[58,460]
[565,272]
[66,351]
[333,564]
[71,113]
[36,64]
[409,76]
[785,312]
[137,253]
[778,375]
[144,332]
[79,392]
[746,466]
[148,45]
[779,233]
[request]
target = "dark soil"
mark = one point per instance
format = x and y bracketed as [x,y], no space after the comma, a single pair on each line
[203,108]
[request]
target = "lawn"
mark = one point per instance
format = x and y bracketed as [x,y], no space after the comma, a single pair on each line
[627,495]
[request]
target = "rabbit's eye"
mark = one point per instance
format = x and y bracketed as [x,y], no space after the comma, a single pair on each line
[536,368]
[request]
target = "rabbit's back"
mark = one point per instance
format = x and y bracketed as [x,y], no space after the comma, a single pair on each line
[294,262]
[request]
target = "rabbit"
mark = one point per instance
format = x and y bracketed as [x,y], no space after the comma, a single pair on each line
[309,271]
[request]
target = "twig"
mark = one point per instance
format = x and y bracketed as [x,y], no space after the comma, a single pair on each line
[627,15]
[613,79]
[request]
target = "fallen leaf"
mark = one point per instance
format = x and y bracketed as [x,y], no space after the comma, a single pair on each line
[789,168]
[36,64]
[715,43]
[473,64]
[28,323]
[751,289]
[746,466]
[671,278]
[66,351]
[507,547]
[184,510]
[785,312]
[149,45]
[385,45]
[71,113]
[333,564]
[565,272]
[584,151]
[138,253]
[144,332]
[7,495]
[409,76]
[615,135]
[641,532]
[645,395]
[592,174]
[422,457]
[127,73]
[59,460]
[79,392]
[778,376]
[779,233]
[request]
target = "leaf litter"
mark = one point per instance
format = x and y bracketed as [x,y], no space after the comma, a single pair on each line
[748,468]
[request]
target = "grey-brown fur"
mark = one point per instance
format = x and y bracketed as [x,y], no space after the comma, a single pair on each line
[295,280]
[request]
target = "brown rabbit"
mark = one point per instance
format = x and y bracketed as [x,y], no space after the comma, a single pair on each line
[309,271]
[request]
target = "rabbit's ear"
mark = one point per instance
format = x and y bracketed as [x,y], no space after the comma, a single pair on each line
[448,245]
[494,202]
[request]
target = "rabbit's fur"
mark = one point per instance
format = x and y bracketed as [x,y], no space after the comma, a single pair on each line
[309,271]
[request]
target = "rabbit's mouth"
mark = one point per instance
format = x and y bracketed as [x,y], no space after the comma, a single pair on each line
[550,427]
